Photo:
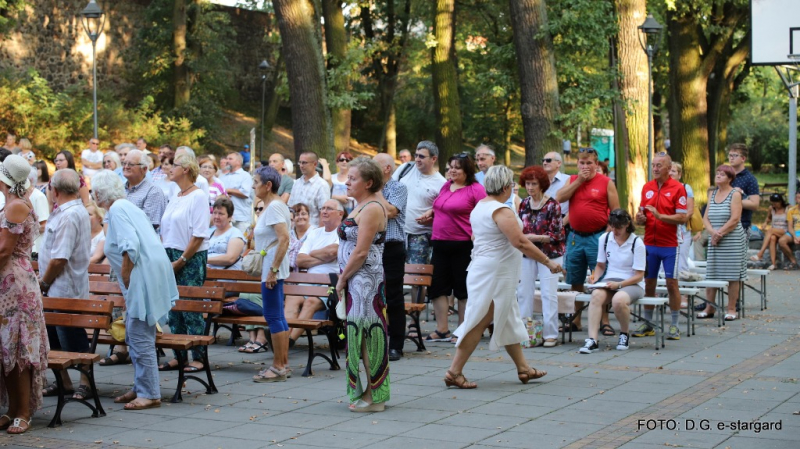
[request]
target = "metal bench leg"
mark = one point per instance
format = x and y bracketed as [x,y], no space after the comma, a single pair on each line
[763,292]
[663,311]
[56,421]
[419,342]
[741,297]
[308,371]
[181,357]
[98,408]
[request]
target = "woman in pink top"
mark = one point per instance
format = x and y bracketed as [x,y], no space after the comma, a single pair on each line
[452,240]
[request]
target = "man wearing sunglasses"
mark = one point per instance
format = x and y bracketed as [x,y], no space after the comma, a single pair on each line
[592,196]
[551,162]
[662,210]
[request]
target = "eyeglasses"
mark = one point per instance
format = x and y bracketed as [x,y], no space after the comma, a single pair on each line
[733,155]
[130,165]
[662,153]
[94,143]
[258,209]
[344,159]
[420,156]
[209,167]
[328,209]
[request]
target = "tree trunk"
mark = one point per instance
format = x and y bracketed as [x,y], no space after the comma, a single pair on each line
[181,68]
[388,71]
[688,104]
[633,114]
[273,101]
[445,81]
[537,78]
[721,86]
[336,44]
[311,122]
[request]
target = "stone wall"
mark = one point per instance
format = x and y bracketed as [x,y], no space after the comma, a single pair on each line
[49,37]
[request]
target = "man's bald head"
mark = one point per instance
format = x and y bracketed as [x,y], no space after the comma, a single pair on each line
[662,163]
[276,161]
[386,163]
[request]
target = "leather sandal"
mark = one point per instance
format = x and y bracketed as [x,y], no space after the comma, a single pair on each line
[133,405]
[533,373]
[452,380]
[125,398]
[17,424]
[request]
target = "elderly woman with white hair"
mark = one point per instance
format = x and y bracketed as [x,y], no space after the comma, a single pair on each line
[184,233]
[492,278]
[147,282]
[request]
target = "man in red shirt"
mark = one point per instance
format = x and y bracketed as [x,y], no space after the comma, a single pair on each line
[662,209]
[591,197]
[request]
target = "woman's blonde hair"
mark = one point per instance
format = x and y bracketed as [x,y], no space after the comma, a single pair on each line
[678,166]
[101,213]
[190,163]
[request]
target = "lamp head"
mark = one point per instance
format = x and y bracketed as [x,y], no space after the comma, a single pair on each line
[264,66]
[650,26]
[92,10]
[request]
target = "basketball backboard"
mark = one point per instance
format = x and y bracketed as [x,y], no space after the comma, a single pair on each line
[775,26]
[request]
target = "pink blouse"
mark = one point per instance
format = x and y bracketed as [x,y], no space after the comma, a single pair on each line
[451,211]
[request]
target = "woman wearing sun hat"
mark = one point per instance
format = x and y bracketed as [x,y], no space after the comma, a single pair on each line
[23,336]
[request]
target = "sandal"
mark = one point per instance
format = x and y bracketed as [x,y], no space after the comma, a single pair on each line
[122,358]
[704,315]
[6,425]
[82,393]
[246,346]
[257,347]
[52,390]
[279,376]
[607,330]
[193,369]
[154,403]
[168,366]
[451,311]
[18,425]
[125,398]
[571,328]
[730,317]
[755,258]
[440,336]
[791,266]
[533,373]
[452,380]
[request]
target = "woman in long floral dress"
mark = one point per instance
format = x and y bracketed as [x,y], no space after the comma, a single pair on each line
[361,238]
[23,336]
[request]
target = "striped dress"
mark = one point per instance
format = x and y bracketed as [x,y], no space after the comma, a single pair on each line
[727,260]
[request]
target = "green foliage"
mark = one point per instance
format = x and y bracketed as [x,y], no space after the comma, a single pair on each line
[759,118]
[341,75]
[8,8]
[54,121]
[581,31]
[209,39]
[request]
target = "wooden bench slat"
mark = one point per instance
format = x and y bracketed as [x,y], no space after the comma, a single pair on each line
[194,305]
[73,305]
[417,280]
[413,268]
[72,320]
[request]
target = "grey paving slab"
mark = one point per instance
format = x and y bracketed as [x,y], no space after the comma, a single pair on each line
[695,438]
[217,442]
[523,439]
[568,428]
[484,421]
[408,442]
[339,438]
[757,443]
[449,432]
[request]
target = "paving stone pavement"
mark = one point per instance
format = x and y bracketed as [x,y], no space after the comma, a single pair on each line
[718,389]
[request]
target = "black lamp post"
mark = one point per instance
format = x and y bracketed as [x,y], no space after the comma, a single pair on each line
[650,30]
[264,67]
[93,20]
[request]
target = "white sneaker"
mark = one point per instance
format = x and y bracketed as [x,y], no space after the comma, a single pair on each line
[589,347]
[622,345]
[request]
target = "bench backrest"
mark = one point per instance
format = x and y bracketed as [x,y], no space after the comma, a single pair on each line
[81,313]
[94,268]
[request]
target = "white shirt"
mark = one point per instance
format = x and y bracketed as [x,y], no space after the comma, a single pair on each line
[276,212]
[422,191]
[317,239]
[186,217]
[67,236]
[91,156]
[313,193]
[557,184]
[42,210]
[620,261]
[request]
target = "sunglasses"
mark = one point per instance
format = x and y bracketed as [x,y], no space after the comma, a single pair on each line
[588,150]
[619,214]
[547,160]
[344,159]
[420,156]
[463,155]
[258,209]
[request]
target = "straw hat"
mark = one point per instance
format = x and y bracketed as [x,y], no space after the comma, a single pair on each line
[14,173]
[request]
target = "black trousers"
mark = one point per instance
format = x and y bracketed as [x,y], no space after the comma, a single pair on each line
[394,258]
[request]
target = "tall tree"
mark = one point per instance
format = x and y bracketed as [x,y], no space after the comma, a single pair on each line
[701,36]
[336,44]
[632,81]
[311,121]
[445,80]
[182,80]
[537,78]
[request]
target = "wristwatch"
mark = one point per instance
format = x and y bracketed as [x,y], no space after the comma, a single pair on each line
[183,259]
[274,270]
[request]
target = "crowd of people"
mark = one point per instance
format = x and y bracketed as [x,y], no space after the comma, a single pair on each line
[161,219]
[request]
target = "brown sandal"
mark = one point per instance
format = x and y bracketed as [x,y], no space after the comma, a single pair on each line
[132,406]
[125,398]
[452,380]
[534,373]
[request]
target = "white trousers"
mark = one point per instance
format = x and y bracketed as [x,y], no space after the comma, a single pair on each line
[548,283]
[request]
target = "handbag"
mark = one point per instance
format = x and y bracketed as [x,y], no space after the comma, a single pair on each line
[253,262]
[117,329]
[534,329]
[335,302]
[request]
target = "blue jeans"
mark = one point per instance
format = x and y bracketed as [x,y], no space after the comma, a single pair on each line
[73,339]
[141,341]
[273,308]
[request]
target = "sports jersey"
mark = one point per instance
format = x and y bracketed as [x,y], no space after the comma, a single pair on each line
[669,199]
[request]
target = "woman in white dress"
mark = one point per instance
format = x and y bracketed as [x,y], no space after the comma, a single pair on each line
[492,279]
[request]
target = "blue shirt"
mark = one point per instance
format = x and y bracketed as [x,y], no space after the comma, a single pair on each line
[749,185]
[152,289]
[481,176]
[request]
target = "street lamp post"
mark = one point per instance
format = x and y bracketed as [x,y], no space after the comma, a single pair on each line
[264,68]
[650,29]
[93,20]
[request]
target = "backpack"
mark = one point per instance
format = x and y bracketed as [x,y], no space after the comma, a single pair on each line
[605,245]
[695,223]
[407,168]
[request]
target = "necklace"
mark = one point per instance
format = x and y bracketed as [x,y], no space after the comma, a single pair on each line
[537,205]
[186,189]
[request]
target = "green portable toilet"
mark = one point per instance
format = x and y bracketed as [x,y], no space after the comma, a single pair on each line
[603,141]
